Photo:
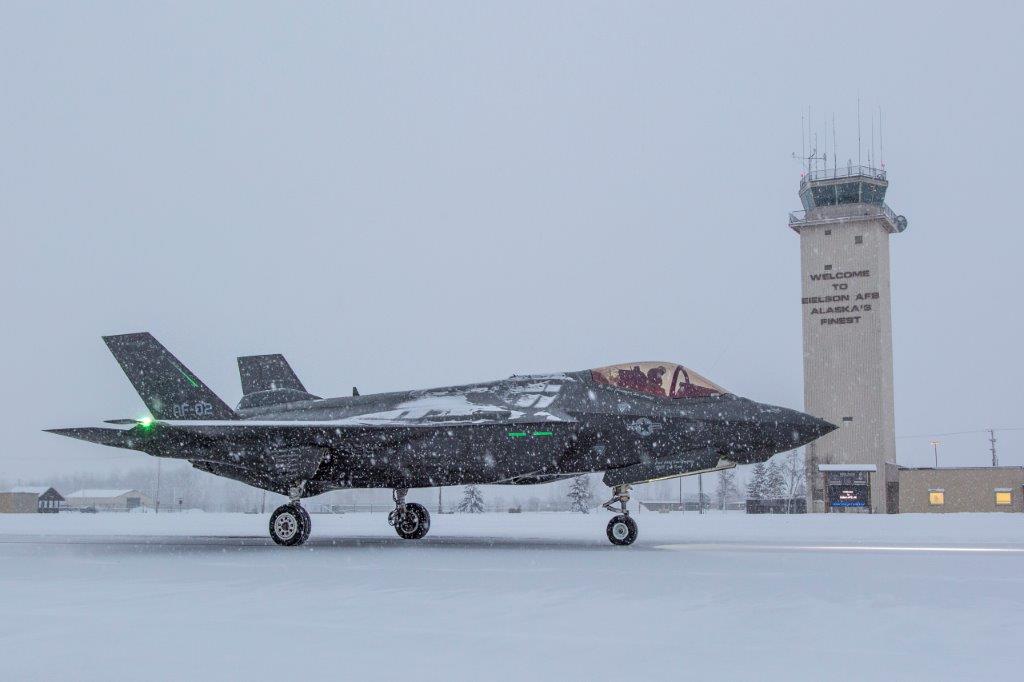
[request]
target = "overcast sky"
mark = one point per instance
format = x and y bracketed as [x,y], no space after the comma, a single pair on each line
[414,195]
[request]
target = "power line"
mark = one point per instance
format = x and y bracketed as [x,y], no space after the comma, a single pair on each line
[960,433]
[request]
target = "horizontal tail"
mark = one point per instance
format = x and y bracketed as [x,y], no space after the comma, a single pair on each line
[166,386]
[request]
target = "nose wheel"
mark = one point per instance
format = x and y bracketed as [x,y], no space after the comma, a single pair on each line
[411,520]
[622,529]
[290,525]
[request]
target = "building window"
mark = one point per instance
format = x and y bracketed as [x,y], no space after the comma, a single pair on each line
[936,498]
[858,239]
[1004,497]
[828,267]
[827,232]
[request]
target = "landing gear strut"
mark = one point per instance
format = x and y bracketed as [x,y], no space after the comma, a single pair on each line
[290,523]
[622,528]
[411,520]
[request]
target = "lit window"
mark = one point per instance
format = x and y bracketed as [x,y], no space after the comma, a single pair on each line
[1004,497]
[936,497]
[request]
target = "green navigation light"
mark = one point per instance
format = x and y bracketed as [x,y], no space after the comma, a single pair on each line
[145,422]
[543,433]
[517,434]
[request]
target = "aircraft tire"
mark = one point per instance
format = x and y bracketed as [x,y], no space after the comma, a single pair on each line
[422,526]
[289,525]
[308,527]
[622,530]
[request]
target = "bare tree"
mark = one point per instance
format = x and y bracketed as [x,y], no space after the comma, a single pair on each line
[727,488]
[795,475]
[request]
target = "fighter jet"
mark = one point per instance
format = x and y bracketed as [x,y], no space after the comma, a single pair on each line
[636,422]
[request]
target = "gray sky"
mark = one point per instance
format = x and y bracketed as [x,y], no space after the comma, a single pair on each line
[412,195]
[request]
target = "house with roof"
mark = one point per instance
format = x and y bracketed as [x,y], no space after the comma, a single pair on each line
[28,499]
[108,500]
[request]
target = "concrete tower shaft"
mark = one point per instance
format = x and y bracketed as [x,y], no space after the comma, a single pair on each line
[847,323]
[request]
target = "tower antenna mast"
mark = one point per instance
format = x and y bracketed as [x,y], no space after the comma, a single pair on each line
[992,440]
[809,147]
[881,145]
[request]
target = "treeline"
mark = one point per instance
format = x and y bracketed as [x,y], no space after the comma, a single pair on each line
[179,486]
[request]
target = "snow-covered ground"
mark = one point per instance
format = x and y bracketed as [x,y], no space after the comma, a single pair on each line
[512,597]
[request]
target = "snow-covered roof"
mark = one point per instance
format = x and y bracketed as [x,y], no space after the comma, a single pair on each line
[34,489]
[847,467]
[99,492]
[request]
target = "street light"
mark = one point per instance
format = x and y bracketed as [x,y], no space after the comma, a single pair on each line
[935,447]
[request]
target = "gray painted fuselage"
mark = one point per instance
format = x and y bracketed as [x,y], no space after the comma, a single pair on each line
[528,429]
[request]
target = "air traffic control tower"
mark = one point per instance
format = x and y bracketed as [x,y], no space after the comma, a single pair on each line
[844,259]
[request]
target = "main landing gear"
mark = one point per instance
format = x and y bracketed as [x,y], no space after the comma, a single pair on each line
[411,520]
[622,528]
[290,523]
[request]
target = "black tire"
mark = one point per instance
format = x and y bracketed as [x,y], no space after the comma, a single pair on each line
[308,525]
[416,523]
[289,525]
[622,530]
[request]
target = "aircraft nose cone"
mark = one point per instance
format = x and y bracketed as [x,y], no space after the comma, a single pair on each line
[784,429]
[811,428]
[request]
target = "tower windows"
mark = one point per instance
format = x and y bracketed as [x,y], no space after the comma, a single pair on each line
[858,239]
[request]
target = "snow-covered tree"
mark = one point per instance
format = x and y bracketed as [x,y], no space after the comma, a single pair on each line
[727,489]
[472,500]
[774,481]
[580,494]
[756,484]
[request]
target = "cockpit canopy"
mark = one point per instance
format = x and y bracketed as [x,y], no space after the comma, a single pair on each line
[665,379]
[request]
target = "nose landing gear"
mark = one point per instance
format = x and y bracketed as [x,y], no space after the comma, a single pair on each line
[411,520]
[622,529]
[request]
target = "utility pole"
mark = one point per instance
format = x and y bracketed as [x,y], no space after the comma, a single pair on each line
[935,447]
[439,500]
[992,440]
[700,492]
[158,485]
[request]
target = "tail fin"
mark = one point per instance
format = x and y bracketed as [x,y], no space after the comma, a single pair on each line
[267,373]
[166,386]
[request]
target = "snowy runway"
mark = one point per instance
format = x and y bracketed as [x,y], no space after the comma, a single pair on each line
[501,596]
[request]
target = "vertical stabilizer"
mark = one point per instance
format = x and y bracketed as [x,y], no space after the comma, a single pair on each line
[168,388]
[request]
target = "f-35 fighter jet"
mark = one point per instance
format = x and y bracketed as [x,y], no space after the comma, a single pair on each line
[636,422]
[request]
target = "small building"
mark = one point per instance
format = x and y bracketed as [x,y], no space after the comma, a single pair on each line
[961,489]
[17,503]
[47,500]
[782,505]
[847,487]
[108,500]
